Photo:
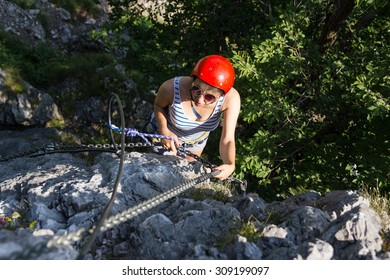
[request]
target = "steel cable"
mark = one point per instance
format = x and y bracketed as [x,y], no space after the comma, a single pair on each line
[108,207]
[130,213]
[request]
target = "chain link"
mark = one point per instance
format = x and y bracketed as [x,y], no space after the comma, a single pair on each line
[112,148]
[52,149]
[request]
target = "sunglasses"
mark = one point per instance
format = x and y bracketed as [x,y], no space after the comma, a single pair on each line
[209,98]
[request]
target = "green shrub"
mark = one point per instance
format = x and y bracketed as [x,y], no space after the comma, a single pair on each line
[314,112]
[159,45]
[315,120]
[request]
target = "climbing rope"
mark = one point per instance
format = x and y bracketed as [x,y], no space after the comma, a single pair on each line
[132,132]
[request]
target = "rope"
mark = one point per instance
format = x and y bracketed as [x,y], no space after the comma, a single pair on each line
[132,132]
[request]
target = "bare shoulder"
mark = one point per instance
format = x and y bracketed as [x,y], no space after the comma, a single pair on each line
[164,95]
[166,86]
[187,80]
[232,99]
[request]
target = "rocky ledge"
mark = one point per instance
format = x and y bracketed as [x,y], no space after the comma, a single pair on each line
[55,195]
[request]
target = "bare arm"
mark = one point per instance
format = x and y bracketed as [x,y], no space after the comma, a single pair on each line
[227,144]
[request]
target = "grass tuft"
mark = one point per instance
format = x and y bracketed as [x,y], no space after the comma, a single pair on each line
[380,203]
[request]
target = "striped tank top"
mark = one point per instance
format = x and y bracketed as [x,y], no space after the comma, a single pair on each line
[187,130]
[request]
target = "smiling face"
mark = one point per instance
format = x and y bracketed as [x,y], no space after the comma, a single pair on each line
[203,93]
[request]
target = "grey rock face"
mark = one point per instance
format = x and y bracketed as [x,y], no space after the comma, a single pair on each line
[30,107]
[48,197]
[61,30]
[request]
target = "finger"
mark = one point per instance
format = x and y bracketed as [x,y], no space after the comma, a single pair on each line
[164,144]
[173,147]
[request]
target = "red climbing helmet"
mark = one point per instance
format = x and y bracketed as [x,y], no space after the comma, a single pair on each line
[215,70]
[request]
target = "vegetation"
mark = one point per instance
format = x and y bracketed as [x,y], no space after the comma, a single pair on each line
[213,190]
[16,221]
[313,77]
[381,204]
[316,115]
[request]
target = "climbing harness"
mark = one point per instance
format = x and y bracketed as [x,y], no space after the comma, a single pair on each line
[105,222]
